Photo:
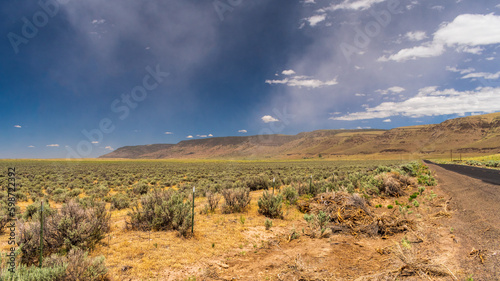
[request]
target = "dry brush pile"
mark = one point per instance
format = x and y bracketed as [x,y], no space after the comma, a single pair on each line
[350,212]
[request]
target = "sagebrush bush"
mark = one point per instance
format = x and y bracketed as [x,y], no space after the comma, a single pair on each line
[4,215]
[257,183]
[213,200]
[302,188]
[317,223]
[291,195]
[141,188]
[427,180]
[33,211]
[270,205]
[235,200]
[78,266]
[382,169]
[268,223]
[120,201]
[74,226]
[162,210]
[75,266]
[34,273]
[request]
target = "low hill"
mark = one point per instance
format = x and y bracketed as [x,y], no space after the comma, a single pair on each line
[472,134]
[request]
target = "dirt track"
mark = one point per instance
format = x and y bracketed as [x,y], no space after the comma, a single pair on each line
[476,218]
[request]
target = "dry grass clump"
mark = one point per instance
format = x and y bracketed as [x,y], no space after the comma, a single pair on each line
[213,200]
[415,266]
[394,183]
[235,200]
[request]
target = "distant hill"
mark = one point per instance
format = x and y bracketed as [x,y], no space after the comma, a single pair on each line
[472,134]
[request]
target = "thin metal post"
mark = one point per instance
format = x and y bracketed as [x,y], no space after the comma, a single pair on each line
[192,217]
[41,233]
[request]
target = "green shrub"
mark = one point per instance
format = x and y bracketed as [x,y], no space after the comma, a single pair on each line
[75,266]
[421,189]
[74,193]
[268,224]
[235,200]
[382,169]
[426,179]
[120,201]
[74,226]
[35,273]
[20,196]
[412,169]
[293,234]
[257,183]
[33,211]
[79,266]
[390,206]
[270,205]
[416,203]
[290,195]
[141,188]
[317,223]
[162,210]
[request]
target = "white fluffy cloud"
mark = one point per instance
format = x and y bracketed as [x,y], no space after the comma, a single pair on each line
[303,81]
[17,126]
[387,121]
[95,142]
[416,35]
[31,146]
[269,119]
[466,33]
[314,20]
[432,102]
[52,145]
[353,5]
[210,135]
[169,133]
[288,72]
[425,51]
[485,75]
[462,71]
[189,137]
[391,90]
[108,148]
[242,131]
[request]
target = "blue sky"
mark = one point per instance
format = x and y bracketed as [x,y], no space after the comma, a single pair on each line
[81,78]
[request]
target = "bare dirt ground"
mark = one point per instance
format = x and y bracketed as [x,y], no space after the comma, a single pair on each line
[476,221]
